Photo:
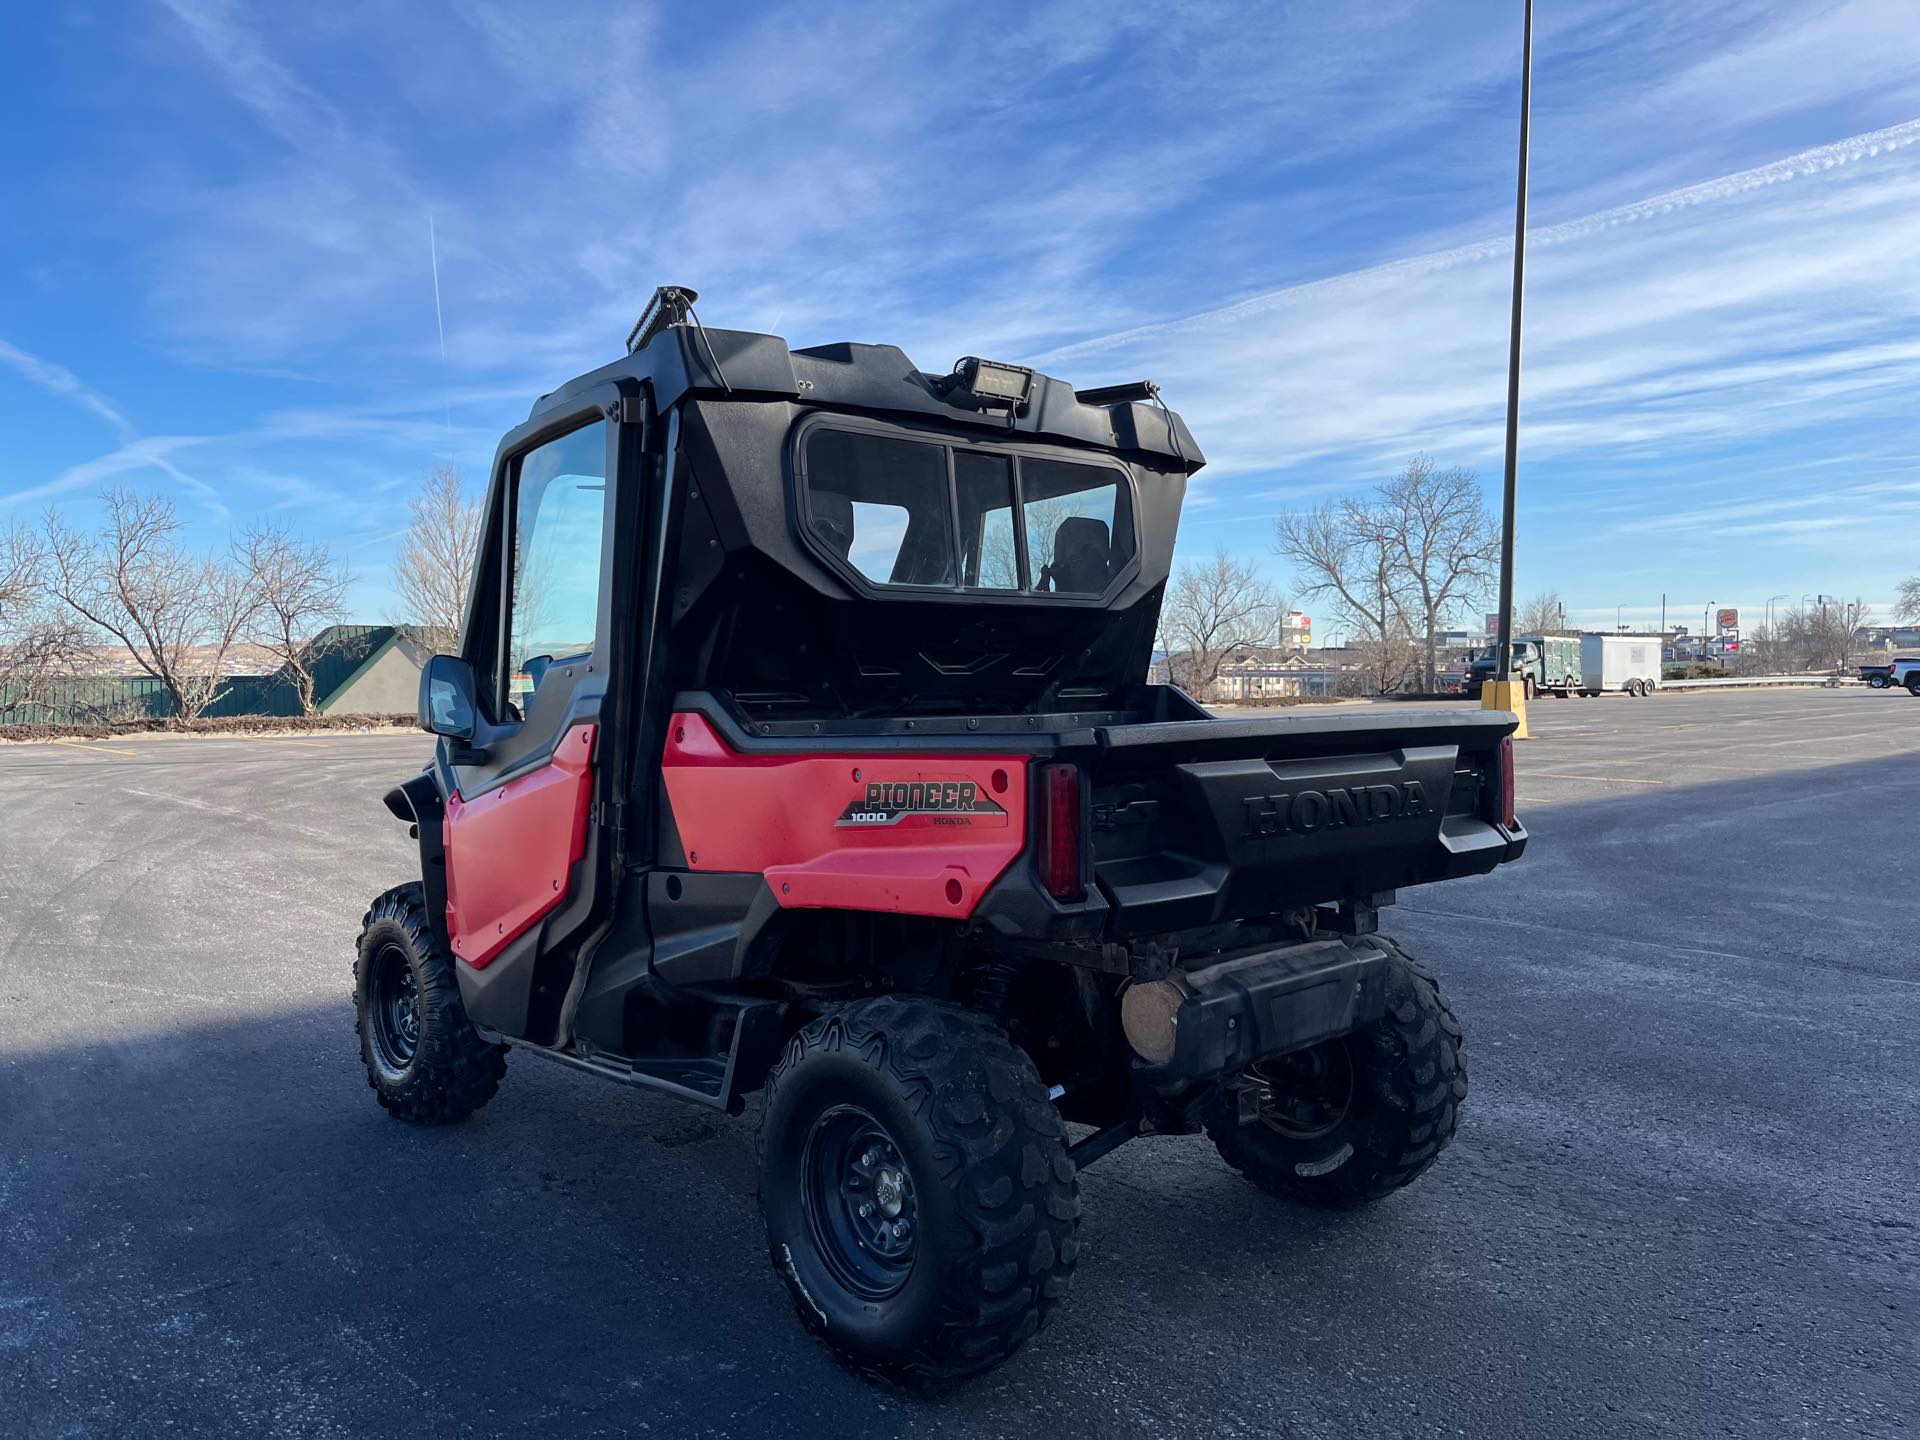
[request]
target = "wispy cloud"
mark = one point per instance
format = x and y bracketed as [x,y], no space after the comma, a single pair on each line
[60,381]
[153,452]
[1295,219]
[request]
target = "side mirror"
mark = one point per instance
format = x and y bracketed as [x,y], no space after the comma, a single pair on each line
[449,703]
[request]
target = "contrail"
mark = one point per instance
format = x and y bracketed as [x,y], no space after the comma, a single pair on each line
[1707,192]
[440,325]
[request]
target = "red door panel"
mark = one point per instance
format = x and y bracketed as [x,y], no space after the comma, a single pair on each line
[511,851]
[903,833]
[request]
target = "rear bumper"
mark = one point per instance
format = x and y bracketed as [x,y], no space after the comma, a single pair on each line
[1253,1008]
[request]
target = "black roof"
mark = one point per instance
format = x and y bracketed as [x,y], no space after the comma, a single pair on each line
[875,379]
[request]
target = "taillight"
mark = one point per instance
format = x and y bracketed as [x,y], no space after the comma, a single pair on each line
[1500,783]
[1060,832]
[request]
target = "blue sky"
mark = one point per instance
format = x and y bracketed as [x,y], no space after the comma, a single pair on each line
[214,243]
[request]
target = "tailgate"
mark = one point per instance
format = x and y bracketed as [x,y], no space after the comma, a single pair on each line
[1195,822]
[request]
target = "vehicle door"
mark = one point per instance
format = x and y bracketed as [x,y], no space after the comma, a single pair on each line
[525,857]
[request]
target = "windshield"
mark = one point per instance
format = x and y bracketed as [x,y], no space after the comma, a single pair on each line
[1522,649]
[901,510]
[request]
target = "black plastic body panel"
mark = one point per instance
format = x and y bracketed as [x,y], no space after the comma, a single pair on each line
[1255,1007]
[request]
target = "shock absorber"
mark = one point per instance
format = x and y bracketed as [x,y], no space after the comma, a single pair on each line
[990,987]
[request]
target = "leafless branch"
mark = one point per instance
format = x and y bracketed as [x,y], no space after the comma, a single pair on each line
[1212,609]
[1542,615]
[177,614]
[434,568]
[298,590]
[40,642]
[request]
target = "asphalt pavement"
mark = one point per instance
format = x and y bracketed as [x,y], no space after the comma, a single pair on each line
[1681,1202]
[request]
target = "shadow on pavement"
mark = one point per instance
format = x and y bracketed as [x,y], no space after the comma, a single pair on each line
[1677,1205]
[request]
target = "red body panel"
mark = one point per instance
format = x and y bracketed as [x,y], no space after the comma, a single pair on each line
[511,851]
[903,834]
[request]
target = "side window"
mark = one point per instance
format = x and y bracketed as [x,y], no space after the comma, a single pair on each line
[1079,531]
[881,504]
[559,508]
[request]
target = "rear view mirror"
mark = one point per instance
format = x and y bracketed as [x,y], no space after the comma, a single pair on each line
[448,698]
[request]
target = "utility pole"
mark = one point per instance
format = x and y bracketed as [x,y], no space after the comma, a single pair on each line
[1503,694]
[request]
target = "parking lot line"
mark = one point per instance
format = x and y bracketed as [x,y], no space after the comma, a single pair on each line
[92,748]
[1533,774]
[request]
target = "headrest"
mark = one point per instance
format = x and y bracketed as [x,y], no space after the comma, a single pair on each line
[1081,554]
[833,520]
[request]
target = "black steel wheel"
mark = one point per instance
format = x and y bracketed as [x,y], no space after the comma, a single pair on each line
[425,1061]
[920,1203]
[859,1198]
[1305,1095]
[1355,1119]
[394,1012]
[1913,684]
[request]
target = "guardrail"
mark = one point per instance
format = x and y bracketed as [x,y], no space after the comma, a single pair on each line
[1824,681]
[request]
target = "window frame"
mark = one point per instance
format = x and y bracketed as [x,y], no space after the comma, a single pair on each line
[502,660]
[952,442]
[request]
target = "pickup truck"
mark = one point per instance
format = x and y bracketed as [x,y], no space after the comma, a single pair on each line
[796,744]
[1903,671]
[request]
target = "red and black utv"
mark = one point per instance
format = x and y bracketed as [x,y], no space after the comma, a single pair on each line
[799,743]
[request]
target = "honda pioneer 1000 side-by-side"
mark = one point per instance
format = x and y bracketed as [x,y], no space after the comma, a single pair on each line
[799,743]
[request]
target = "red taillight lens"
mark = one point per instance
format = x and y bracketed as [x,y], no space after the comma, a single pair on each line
[1500,783]
[1060,832]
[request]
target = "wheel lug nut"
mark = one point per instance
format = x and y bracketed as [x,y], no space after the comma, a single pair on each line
[866,1209]
[899,1229]
[869,1158]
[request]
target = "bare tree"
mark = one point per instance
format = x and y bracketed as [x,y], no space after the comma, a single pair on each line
[40,641]
[1765,650]
[298,590]
[434,569]
[1833,633]
[178,614]
[1822,637]
[1345,552]
[1213,608]
[1400,561]
[1447,543]
[1906,609]
[1544,614]
[1381,666]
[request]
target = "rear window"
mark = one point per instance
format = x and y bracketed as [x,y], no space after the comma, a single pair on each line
[922,513]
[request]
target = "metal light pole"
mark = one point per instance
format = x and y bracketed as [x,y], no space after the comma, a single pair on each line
[1501,694]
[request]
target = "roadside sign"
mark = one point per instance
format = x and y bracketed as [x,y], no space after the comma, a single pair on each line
[1729,619]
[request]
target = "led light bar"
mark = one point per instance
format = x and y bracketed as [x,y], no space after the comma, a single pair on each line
[994,383]
[670,305]
[1136,392]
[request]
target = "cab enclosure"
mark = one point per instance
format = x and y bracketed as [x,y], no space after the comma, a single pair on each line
[795,676]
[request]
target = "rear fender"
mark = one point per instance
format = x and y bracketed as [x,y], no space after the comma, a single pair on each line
[419,802]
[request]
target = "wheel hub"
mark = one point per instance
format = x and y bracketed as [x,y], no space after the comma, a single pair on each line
[1307,1094]
[861,1207]
[394,1011]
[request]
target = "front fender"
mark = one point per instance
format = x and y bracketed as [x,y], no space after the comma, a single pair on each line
[419,802]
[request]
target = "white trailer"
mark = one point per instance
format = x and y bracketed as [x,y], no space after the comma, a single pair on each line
[1627,663]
